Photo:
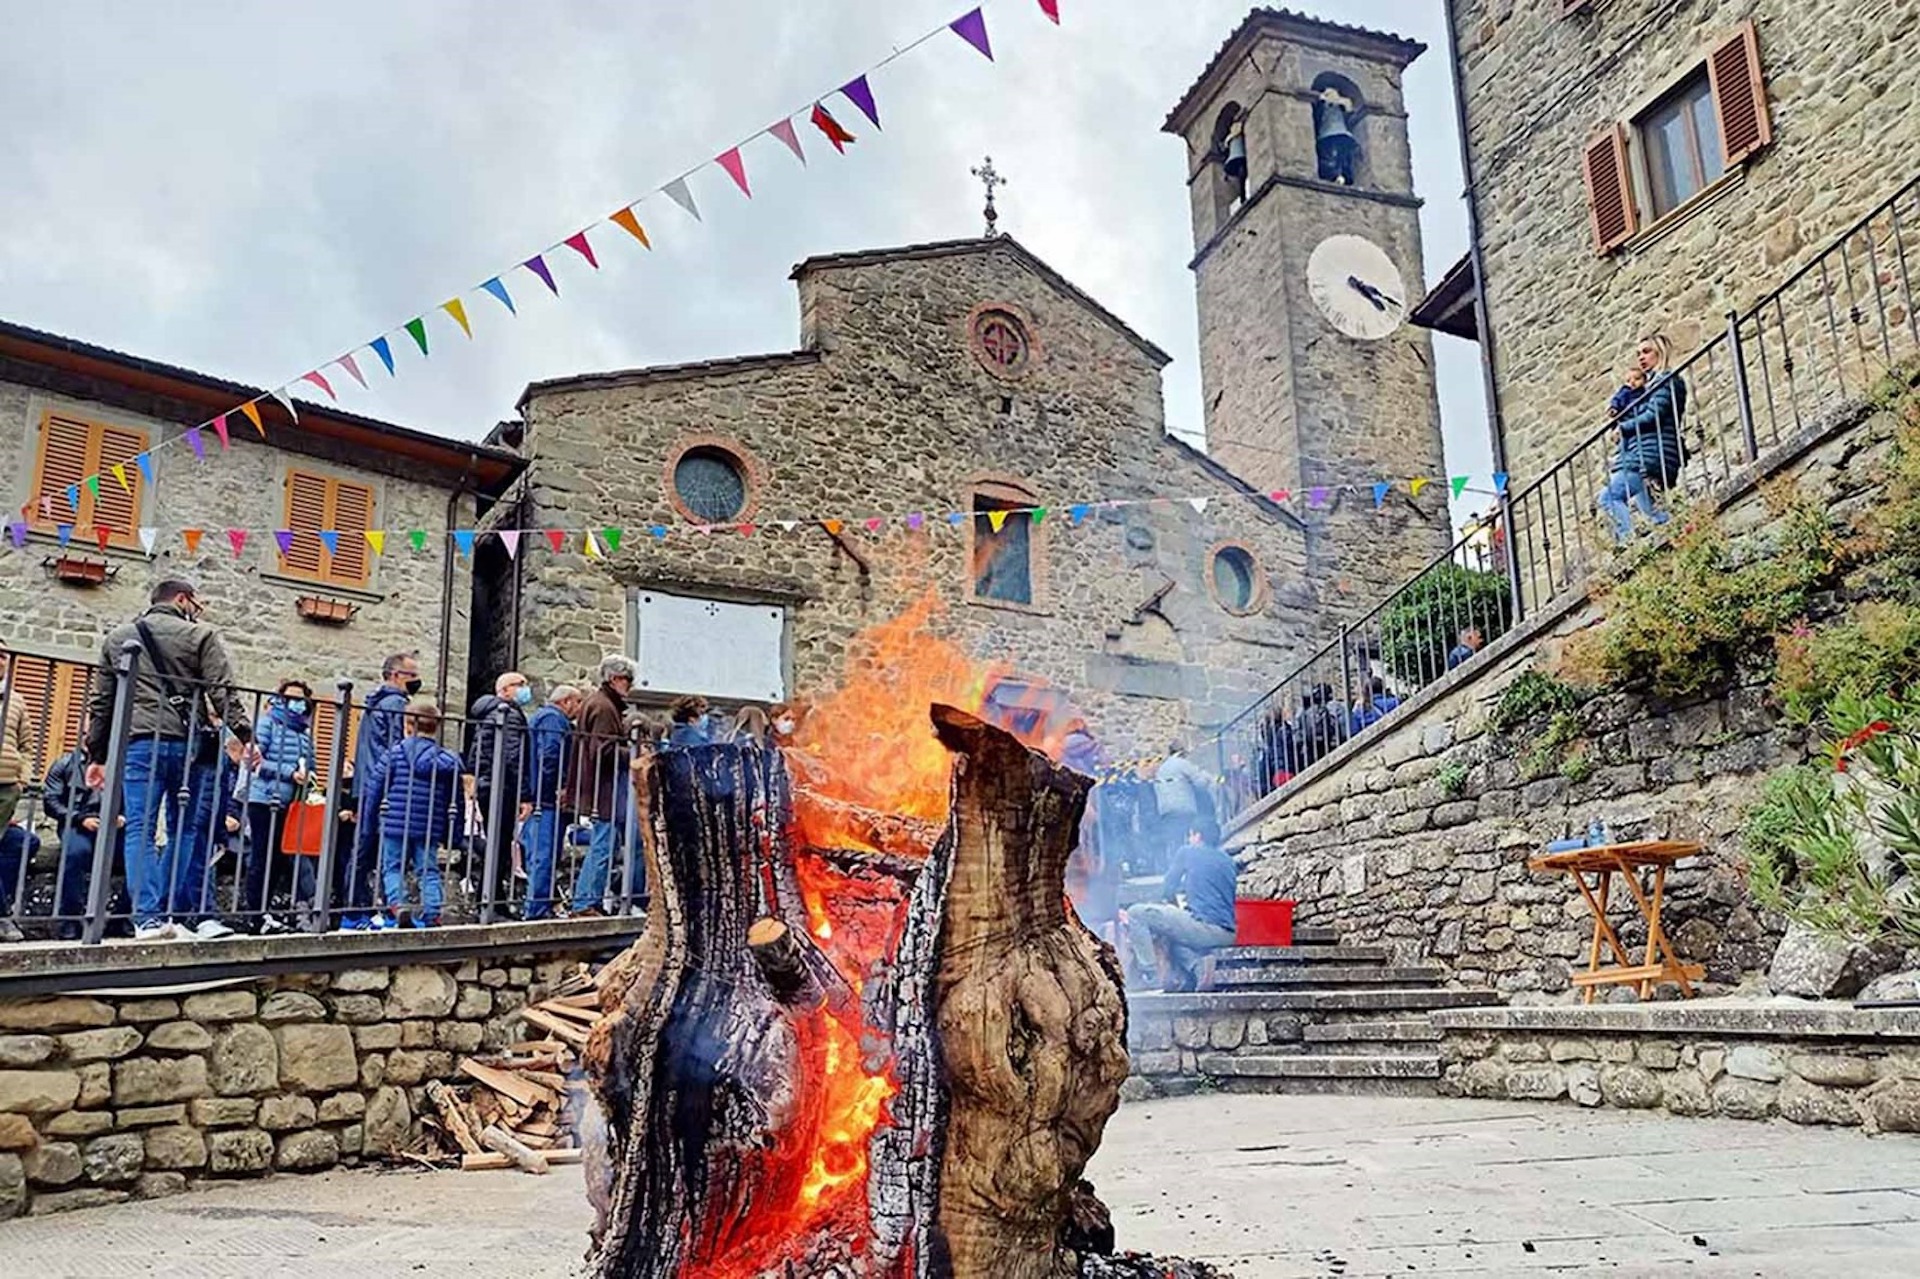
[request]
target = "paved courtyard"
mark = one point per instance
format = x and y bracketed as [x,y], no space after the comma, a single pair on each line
[1271,1186]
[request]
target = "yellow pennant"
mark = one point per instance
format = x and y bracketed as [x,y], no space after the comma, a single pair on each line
[997,519]
[593,547]
[252,409]
[458,310]
[377,539]
[120,473]
[1417,483]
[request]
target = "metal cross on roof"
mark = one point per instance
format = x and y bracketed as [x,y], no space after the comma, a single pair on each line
[990,178]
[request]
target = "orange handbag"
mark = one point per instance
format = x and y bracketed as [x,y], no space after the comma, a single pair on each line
[305,829]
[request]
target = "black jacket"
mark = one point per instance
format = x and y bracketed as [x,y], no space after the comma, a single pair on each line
[64,795]
[480,754]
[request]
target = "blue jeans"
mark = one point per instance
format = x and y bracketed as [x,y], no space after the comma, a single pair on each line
[1613,501]
[398,855]
[540,835]
[174,881]
[590,889]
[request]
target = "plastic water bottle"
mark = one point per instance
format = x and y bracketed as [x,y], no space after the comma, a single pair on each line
[1597,834]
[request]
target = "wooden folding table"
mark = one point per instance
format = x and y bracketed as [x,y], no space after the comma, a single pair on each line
[1626,860]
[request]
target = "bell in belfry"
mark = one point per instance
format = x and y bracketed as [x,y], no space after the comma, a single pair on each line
[1235,162]
[1333,136]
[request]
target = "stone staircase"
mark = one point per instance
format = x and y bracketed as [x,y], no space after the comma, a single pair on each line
[1316,1016]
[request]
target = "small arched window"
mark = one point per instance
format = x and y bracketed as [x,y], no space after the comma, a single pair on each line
[1227,161]
[1005,544]
[1337,108]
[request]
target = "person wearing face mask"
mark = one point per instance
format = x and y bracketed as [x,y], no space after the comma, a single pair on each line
[689,716]
[784,724]
[283,757]
[182,692]
[382,725]
[499,723]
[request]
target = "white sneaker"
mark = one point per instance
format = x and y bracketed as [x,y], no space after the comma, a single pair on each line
[211,929]
[162,931]
[10,932]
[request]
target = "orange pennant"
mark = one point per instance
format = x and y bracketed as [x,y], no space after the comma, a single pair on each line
[627,222]
[252,409]
[193,539]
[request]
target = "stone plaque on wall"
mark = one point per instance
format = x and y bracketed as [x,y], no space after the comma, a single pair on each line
[717,648]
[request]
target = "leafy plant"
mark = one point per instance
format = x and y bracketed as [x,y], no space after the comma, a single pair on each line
[1548,752]
[1578,766]
[1876,650]
[1532,693]
[1452,778]
[1424,622]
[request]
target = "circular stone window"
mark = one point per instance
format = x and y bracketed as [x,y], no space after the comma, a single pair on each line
[1234,578]
[1001,340]
[711,483]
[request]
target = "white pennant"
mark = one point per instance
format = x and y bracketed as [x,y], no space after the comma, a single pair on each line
[510,538]
[677,192]
[286,402]
[148,536]
[1199,504]
[787,526]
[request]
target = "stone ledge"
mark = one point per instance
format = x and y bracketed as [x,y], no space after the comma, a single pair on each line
[35,968]
[1758,1018]
[1259,1001]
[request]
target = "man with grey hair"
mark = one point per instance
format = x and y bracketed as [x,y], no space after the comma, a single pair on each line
[599,785]
[549,733]
[498,726]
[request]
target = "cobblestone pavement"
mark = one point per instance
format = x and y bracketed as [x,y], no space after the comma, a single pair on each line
[1271,1186]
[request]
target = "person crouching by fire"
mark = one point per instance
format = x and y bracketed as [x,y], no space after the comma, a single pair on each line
[1172,941]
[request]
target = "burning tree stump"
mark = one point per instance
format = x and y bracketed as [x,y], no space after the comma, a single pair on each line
[772,1112]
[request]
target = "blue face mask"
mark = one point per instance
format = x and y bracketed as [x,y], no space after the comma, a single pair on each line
[297,705]
[523,696]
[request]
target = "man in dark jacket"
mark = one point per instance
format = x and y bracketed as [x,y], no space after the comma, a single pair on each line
[1172,940]
[549,740]
[417,792]
[1321,725]
[601,758]
[382,724]
[75,809]
[499,721]
[182,684]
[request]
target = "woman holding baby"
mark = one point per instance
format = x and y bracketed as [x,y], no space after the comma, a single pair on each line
[1647,411]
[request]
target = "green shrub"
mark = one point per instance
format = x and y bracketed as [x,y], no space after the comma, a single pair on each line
[1548,752]
[1532,693]
[1452,779]
[1578,766]
[1423,624]
[1875,651]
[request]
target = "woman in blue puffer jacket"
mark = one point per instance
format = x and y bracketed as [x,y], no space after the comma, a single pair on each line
[283,762]
[1651,450]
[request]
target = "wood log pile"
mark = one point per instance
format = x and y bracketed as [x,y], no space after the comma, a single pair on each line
[521,1107]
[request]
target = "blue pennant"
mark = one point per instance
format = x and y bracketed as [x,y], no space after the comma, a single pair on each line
[499,290]
[385,352]
[330,540]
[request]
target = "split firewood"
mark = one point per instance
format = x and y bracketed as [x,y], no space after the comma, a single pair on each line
[545,1078]
[459,1124]
[572,1012]
[572,1032]
[492,1162]
[547,1127]
[525,1157]
[588,999]
[508,1084]
[537,1047]
[532,1141]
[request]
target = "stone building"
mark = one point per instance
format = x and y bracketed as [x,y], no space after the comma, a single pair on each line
[69,410]
[948,390]
[1640,165]
[1307,254]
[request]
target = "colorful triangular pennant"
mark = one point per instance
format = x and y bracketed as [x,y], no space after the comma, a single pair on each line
[591,546]
[463,541]
[352,366]
[832,526]
[578,243]
[319,380]
[220,429]
[612,538]
[997,520]
[192,538]
[237,539]
[659,532]
[1380,490]
[377,539]
[1317,495]
[417,536]
[383,349]
[1459,484]
[860,93]
[1500,483]
[915,520]
[627,220]
[417,330]
[499,290]
[736,169]
[956,518]
[120,474]
[196,443]
[1076,513]
[286,402]
[330,538]
[73,498]
[787,526]
[102,535]
[1417,483]
[145,462]
[284,539]
[744,530]
[510,538]
[65,533]
[17,533]
[557,539]
[252,411]
[873,523]
[458,310]
[677,192]
[822,119]
[1052,9]
[972,27]
[538,265]
[784,131]
[1199,504]
[92,483]
[149,538]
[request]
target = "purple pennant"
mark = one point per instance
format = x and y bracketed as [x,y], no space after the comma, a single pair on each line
[538,265]
[194,442]
[285,538]
[1317,496]
[972,27]
[861,95]
[17,530]
[915,520]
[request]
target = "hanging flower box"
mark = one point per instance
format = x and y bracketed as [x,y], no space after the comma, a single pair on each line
[79,570]
[316,608]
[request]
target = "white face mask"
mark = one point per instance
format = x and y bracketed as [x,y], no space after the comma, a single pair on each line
[784,727]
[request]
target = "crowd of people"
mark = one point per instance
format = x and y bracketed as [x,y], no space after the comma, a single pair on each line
[222,812]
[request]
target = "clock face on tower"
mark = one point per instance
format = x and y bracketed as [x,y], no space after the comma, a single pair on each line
[1356,286]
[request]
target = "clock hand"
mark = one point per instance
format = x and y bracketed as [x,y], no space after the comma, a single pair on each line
[1367,291]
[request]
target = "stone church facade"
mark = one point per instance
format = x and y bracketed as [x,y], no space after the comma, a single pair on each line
[969,380]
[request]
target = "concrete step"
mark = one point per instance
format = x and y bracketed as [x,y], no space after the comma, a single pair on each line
[1239,956]
[1372,1032]
[1321,1066]
[1362,999]
[1269,976]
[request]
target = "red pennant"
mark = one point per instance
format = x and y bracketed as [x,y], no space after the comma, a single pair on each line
[102,536]
[220,429]
[578,243]
[745,530]
[319,381]
[557,539]
[736,169]
[1052,9]
[823,120]
[237,538]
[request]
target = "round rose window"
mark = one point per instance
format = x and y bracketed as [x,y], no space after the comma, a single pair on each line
[1001,343]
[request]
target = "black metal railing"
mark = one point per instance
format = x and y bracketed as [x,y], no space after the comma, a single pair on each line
[348,817]
[1819,341]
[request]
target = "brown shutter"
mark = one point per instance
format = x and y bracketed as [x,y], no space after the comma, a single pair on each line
[1739,95]
[306,515]
[30,684]
[326,715]
[118,508]
[71,681]
[352,517]
[1610,190]
[62,464]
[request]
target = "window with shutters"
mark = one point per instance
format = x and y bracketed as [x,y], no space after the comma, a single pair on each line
[326,720]
[54,694]
[343,509]
[71,450]
[1695,132]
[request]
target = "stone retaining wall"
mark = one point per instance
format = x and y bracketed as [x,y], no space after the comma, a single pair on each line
[1757,1064]
[104,1098]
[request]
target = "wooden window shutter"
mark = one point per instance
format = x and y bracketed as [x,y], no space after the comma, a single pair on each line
[31,685]
[64,448]
[119,508]
[1739,95]
[1610,190]
[69,724]
[352,517]
[306,515]
[326,718]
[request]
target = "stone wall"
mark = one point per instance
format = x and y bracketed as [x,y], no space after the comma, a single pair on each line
[1540,84]
[887,413]
[248,597]
[1810,1064]
[105,1098]
[1417,834]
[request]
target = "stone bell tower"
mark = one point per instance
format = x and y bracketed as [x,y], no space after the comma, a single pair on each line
[1306,260]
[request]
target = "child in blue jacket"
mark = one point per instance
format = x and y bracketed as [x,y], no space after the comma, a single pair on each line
[416,793]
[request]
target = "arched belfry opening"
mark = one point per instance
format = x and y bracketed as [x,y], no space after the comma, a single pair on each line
[1337,110]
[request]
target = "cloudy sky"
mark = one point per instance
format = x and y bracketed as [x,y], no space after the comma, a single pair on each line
[249,188]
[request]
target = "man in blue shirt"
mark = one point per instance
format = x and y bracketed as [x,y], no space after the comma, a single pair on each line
[1172,940]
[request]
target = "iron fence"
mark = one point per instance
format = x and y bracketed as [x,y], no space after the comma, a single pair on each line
[352,815]
[1823,338]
